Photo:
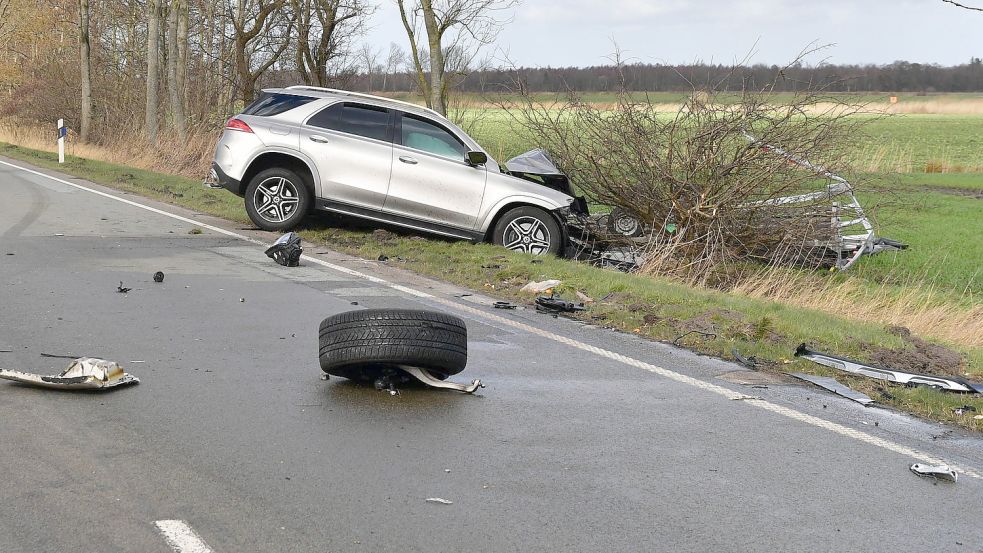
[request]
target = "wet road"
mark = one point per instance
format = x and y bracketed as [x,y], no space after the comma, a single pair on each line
[584,440]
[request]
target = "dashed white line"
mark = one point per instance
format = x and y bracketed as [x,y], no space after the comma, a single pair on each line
[181,537]
[678,377]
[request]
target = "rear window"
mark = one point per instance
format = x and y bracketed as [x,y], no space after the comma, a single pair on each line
[274,103]
[357,119]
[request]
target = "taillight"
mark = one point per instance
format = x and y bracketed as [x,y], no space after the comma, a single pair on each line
[238,125]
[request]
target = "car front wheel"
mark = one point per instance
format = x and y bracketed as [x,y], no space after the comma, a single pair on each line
[528,230]
[277,199]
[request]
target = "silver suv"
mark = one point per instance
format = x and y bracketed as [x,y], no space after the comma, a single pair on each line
[302,148]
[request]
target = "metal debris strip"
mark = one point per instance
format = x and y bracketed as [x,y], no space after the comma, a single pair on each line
[440,500]
[85,373]
[948,383]
[836,387]
[426,378]
[941,472]
[122,289]
[504,305]
[286,250]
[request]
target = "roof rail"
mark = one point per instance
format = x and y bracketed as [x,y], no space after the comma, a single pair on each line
[362,95]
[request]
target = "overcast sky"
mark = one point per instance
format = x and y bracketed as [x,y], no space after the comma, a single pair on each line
[580,32]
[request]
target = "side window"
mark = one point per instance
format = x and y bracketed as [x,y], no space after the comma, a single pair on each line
[357,119]
[420,134]
[270,103]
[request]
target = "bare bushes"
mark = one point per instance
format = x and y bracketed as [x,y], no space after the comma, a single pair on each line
[708,177]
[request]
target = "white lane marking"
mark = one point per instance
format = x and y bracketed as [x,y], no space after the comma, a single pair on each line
[181,537]
[678,377]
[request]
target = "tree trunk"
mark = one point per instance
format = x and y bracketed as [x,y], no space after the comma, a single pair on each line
[438,91]
[175,90]
[86,68]
[421,78]
[153,60]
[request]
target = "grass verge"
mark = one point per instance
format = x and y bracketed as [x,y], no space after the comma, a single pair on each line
[656,308]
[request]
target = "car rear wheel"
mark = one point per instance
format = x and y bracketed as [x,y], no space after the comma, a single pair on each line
[528,230]
[277,199]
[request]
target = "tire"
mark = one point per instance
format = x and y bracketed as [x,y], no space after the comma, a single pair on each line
[529,230]
[277,199]
[623,223]
[357,343]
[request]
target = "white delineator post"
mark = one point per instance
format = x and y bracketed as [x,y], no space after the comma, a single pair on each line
[62,132]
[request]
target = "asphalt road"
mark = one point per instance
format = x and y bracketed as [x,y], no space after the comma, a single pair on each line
[584,439]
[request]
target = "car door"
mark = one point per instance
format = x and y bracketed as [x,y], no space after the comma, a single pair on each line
[351,143]
[431,181]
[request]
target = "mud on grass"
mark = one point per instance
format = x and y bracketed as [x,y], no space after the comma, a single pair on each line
[653,307]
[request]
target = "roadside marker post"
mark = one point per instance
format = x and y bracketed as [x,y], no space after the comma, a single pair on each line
[62,133]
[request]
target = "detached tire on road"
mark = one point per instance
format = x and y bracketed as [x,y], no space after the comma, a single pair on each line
[354,344]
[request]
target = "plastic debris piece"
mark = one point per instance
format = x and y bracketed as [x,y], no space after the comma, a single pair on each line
[541,286]
[85,373]
[941,472]
[440,500]
[963,410]
[549,304]
[122,289]
[286,250]
[383,257]
[749,362]
[834,386]
[584,297]
[159,276]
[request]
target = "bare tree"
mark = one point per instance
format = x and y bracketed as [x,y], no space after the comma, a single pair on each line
[957,4]
[460,27]
[262,31]
[153,69]
[369,60]
[85,63]
[176,64]
[713,179]
[395,59]
[325,31]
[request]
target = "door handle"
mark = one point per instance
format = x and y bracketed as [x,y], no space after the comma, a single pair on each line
[408,159]
[318,138]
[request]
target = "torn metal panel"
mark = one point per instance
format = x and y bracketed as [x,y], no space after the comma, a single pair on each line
[949,383]
[942,472]
[426,378]
[846,211]
[834,386]
[85,373]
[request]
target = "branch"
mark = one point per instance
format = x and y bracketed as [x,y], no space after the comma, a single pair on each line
[957,4]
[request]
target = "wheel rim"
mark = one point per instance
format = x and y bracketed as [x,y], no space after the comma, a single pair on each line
[626,224]
[528,235]
[276,199]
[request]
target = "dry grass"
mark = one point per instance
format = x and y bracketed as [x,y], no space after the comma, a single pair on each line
[915,305]
[190,158]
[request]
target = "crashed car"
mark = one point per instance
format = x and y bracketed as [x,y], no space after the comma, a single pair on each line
[299,149]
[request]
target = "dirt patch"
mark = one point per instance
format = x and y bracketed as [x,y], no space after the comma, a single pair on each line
[961,192]
[918,356]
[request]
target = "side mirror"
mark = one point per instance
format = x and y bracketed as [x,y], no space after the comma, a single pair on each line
[476,158]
